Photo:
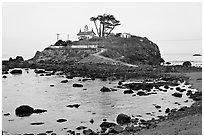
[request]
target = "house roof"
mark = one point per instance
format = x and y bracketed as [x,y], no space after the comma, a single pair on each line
[86,33]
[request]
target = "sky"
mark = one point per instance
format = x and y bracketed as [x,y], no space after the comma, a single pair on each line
[176,27]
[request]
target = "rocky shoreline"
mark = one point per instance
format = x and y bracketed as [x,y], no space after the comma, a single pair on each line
[125,124]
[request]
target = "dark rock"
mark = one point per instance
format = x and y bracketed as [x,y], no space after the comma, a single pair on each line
[91,121]
[113,89]
[81,127]
[48,74]
[86,79]
[186,101]
[41,74]
[196,96]
[166,87]
[39,111]
[107,124]
[159,110]
[182,90]
[16,71]
[176,94]
[6,114]
[5,68]
[37,123]
[157,106]
[69,77]
[177,103]
[77,133]
[178,88]
[123,119]
[120,83]
[5,72]
[61,120]
[187,64]
[28,134]
[41,134]
[52,85]
[4,76]
[64,81]
[77,85]
[19,59]
[104,119]
[53,134]
[116,129]
[49,131]
[189,92]
[167,110]
[105,89]
[39,71]
[128,91]
[24,111]
[89,132]
[74,105]
[141,93]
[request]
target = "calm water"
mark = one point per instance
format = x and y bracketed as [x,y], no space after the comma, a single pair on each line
[34,90]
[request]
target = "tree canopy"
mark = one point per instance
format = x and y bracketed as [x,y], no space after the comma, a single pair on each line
[104,24]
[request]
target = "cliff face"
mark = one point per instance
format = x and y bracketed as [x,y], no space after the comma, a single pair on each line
[134,50]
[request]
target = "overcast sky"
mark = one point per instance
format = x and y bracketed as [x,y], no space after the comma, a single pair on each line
[28,27]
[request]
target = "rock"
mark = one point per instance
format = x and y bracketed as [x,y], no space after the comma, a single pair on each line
[24,111]
[157,106]
[49,131]
[166,87]
[113,89]
[39,111]
[186,101]
[178,88]
[91,121]
[6,114]
[107,124]
[39,71]
[196,96]
[81,127]
[120,83]
[5,68]
[61,120]
[41,74]
[5,72]
[141,93]
[105,89]
[187,64]
[64,81]
[52,85]
[128,91]
[86,79]
[123,119]
[167,110]
[189,92]
[176,94]
[89,132]
[182,90]
[41,134]
[37,123]
[53,134]
[116,129]
[77,85]
[4,76]
[16,71]
[74,105]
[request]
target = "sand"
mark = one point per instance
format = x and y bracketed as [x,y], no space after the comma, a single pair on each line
[188,125]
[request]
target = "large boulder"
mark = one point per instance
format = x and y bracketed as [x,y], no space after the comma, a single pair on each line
[24,111]
[129,91]
[187,64]
[105,89]
[123,119]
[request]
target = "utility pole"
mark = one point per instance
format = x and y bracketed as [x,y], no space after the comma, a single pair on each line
[58,36]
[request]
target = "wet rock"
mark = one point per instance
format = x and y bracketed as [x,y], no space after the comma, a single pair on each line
[37,111]
[81,127]
[64,81]
[128,91]
[166,87]
[52,85]
[176,94]
[6,114]
[74,105]
[49,131]
[116,129]
[16,71]
[123,119]
[157,106]
[37,123]
[4,76]
[167,110]
[41,134]
[39,71]
[178,88]
[61,120]
[105,89]
[107,124]
[91,121]
[89,132]
[24,111]
[77,85]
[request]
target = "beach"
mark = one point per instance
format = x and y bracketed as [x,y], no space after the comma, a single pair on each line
[190,123]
